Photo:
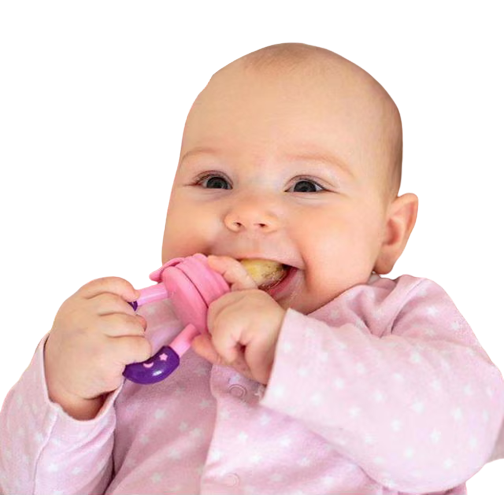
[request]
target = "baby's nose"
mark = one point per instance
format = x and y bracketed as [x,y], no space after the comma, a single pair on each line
[253,216]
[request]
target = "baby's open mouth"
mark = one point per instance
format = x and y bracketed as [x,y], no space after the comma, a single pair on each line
[265,273]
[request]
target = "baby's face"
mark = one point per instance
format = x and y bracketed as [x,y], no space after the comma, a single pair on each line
[287,168]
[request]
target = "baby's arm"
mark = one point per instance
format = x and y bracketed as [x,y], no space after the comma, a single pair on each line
[395,381]
[57,432]
[43,449]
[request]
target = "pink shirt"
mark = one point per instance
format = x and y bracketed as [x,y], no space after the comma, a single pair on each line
[384,390]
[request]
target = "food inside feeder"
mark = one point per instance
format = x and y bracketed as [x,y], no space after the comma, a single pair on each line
[265,273]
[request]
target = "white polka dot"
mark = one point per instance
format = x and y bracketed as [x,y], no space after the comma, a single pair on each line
[159,414]
[360,369]
[435,436]
[339,383]
[174,453]
[341,346]
[369,440]
[432,311]
[408,453]
[302,371]
[457,414]
[286,347]
[354,411]
[398,377]
[378,396]
[396,425]
[277,478]
[327,480]
[473,443]
[156,478]
[415,358]
[489,392]
[279,391]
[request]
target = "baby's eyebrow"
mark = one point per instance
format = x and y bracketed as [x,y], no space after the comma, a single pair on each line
[199,150]
[307,156]
[321,157]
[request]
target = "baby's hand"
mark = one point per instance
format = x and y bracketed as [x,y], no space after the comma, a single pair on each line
[94,335]
[244,324]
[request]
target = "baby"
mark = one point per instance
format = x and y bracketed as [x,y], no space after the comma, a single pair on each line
[335,380]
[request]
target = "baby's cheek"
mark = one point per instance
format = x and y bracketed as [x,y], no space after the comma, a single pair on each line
[186,233]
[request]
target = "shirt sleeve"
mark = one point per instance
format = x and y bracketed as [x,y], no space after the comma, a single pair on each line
[396,380]
[46,451]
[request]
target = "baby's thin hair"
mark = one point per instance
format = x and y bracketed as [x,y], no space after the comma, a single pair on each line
[284,58]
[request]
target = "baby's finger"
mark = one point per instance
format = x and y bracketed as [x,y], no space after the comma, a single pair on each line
[233,272]
[202,345]
[121,325]
[116,285]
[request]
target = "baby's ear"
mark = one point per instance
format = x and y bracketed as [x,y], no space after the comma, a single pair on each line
[401,219]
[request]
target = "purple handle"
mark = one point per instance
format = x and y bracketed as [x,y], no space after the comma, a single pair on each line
[155,369]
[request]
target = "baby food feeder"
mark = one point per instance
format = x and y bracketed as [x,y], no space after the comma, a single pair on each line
[191,285]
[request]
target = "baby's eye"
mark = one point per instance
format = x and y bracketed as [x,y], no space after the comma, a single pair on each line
[307,186]
[213,181]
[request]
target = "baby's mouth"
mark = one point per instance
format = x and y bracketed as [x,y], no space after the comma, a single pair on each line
[286,287]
